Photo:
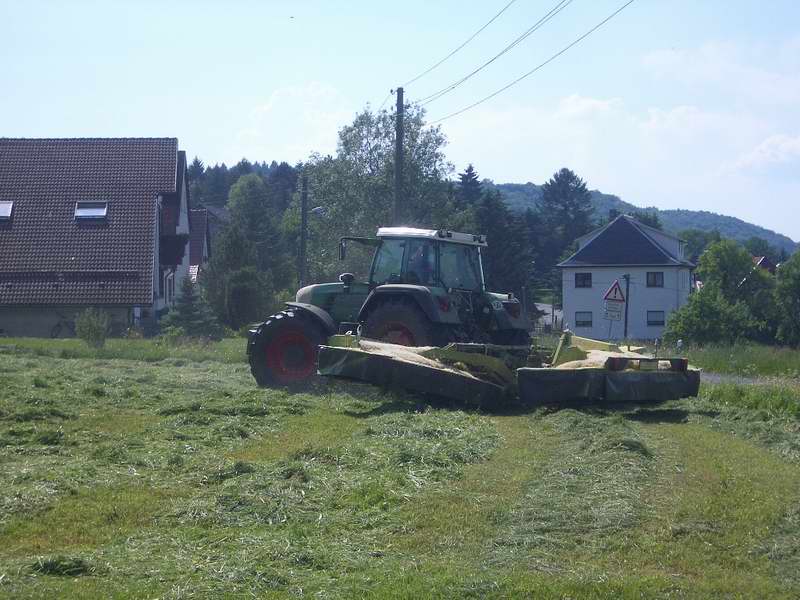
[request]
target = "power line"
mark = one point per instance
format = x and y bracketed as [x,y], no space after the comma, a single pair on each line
[532,71]
[389,95]
[469,39]
[530,31]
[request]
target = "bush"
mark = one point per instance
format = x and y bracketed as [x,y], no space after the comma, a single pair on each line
[92,326]
[709,317]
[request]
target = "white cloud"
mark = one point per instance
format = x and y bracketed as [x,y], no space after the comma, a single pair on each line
[775,150]
[749,72]
[293,122]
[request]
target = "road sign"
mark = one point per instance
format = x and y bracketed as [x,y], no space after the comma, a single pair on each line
[613,310]
[614,293]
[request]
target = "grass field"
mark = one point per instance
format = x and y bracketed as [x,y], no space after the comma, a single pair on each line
[146,472]
[748,360]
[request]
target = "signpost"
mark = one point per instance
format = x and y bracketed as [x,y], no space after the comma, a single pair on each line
[614,303]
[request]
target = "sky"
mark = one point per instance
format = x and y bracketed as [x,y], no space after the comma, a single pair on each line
[673,103]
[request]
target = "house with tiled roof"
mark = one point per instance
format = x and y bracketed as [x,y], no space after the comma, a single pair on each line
[102,222]
[624,281]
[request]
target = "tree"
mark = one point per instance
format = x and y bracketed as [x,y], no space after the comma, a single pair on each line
[649,218]
[725,265]
[709,317]
[566,214]
[507,260]
[196,170]
[252,213]
[697,241]
[192,314]
[356,185]
[787,299]
[469,190]
[235,288]
[282,183]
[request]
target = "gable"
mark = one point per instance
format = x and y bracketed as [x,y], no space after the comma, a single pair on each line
[621,242]
[49,257]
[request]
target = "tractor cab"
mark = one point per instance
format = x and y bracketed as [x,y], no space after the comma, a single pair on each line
[425,257]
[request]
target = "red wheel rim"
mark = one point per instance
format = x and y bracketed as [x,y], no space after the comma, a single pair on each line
[397,333]
[291,356]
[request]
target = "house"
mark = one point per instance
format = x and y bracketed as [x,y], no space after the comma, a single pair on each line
[100,222]
[764,263]
[660,280]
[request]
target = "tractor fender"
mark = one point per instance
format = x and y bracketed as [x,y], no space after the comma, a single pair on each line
[419,294]
[319,315]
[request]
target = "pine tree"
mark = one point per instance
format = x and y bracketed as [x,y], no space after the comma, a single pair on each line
[192,314]
[469,188]
[196,170]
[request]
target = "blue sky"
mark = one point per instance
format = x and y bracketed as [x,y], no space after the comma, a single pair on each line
[676,104]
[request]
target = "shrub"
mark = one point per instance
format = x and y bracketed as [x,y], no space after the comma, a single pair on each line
[92,326]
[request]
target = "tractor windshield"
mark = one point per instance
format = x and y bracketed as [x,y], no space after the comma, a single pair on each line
[388,264]
[459,267]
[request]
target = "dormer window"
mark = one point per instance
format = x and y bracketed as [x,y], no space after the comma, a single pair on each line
[5,210]
[90,210]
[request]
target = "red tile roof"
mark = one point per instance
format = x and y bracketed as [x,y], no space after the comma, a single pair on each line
[46,257]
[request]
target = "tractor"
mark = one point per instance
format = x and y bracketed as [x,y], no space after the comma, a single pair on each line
[425,288]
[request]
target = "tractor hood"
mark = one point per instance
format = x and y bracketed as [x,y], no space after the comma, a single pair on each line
[308,293]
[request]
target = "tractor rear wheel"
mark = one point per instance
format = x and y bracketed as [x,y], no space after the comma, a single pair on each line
[399,323]
[283,351]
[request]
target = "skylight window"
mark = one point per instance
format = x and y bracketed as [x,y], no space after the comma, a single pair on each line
[5,210]
[91,210]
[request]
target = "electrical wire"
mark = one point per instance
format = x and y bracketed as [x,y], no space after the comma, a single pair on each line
[519,39]
[532,71]
[389,95]
[469,39]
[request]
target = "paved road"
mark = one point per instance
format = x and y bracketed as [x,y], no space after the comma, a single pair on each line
[742,380]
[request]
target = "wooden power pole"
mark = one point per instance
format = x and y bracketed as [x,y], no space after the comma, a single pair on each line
[397,215]
[303,229]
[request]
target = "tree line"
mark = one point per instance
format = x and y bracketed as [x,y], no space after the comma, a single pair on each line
[253,266]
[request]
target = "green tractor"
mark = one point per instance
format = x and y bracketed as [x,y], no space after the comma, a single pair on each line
[426,288]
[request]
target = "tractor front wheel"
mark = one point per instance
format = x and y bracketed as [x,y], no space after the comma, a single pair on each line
[399,323]
[283,350]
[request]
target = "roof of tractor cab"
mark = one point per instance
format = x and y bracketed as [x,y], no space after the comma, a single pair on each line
[442,235]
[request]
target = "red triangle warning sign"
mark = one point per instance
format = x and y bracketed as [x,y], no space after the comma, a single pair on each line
[614,293]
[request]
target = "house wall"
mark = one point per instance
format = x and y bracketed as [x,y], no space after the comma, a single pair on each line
[641,299]
[40,321]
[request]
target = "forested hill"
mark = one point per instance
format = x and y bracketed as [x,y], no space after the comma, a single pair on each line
[523,195]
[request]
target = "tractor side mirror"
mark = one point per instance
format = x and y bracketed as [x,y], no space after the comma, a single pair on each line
[342,247]
[347,279]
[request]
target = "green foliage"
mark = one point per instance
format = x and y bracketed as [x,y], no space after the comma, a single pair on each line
[725,265]
[697,241]
[192,314]
[787,299]
[708,317]
[237,290]
[93,326]
[507,260]
[469,189]
[747,359]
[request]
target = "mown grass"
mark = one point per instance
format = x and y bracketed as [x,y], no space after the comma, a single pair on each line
[747,360]
[178,478]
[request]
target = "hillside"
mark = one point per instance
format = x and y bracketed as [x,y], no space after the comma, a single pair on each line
[520,196]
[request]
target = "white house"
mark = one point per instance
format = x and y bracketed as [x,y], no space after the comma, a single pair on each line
[654,278]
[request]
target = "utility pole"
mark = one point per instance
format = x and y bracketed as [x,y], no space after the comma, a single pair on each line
[303,229]
[397,216]
[627,279]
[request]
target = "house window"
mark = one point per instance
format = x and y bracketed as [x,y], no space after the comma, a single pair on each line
[655,279]
[583,280]
[655,317]
[5,210]
[583,319]
[91,210]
